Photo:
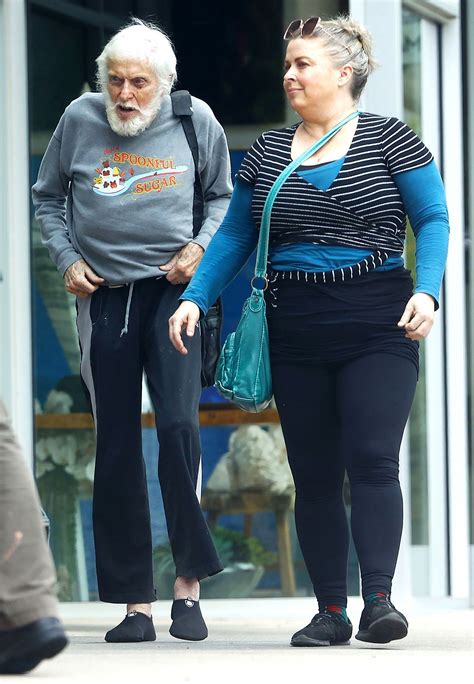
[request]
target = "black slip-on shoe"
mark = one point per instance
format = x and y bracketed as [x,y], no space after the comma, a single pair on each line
[188,622]
[133,628]
[325,629]
[381,622]
[23,648]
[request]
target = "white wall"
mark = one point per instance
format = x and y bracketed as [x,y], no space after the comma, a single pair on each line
[15,305]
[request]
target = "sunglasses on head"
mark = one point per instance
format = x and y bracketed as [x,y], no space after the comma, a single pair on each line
[298,28]
[304,29]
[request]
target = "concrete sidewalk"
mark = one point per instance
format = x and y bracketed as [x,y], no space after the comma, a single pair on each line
[249,642]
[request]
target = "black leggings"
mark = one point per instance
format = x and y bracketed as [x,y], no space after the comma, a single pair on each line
[337,417]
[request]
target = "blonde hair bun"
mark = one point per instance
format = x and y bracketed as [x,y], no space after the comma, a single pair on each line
[349,42]
[357,31]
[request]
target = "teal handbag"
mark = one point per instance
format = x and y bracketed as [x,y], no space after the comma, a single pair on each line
[243,372]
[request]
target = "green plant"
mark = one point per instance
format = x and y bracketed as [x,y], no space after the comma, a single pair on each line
[232,547]
[58,492]
[236,547]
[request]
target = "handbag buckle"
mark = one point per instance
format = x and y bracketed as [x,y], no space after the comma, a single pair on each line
[264,278]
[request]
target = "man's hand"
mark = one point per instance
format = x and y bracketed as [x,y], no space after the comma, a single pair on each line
[80,279]
[182,266]
[418,317]
[186,317]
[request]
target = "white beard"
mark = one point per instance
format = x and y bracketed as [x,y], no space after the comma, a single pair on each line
[139,123]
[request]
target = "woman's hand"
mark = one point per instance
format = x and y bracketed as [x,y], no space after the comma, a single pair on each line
[418,317]
[185,316]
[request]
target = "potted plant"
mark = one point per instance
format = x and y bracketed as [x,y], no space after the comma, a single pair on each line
[64,471]
[244,560]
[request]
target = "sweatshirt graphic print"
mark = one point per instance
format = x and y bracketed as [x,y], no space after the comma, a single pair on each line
[124,204]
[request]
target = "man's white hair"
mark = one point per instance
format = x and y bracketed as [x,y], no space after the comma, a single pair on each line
[141,42]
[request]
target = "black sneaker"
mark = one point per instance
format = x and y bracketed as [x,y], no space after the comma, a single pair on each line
[381,622]
[325,629]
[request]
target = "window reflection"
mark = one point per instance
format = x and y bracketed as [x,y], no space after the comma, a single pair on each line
[417,424]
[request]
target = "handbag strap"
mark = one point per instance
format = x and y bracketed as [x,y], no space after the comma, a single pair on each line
[182,108]
[262,248]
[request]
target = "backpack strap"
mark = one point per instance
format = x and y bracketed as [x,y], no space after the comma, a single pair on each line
[182,108]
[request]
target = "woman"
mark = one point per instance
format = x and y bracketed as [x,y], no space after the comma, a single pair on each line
[344,323]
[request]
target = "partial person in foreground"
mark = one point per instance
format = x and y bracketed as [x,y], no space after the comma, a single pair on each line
[30,630]
[344,322]
[124,243]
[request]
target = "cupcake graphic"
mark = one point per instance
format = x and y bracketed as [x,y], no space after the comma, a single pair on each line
[108,180]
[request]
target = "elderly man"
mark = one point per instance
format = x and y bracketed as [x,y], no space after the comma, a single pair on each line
[124,243]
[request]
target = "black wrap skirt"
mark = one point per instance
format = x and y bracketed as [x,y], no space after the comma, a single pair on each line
[334,322]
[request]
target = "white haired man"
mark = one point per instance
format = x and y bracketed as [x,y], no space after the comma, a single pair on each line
[124,244]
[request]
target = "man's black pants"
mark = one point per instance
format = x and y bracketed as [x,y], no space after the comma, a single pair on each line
[123,332]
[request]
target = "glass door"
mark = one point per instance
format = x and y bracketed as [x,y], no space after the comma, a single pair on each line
[427,432]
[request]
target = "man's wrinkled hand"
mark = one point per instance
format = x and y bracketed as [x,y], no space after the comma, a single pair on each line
[182,266]
[80,279]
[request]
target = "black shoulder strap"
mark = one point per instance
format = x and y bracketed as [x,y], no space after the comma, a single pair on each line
[182,107]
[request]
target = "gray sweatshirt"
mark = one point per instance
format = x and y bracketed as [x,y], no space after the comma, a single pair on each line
[129,199]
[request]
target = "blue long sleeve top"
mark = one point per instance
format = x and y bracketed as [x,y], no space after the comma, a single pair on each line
[424,199]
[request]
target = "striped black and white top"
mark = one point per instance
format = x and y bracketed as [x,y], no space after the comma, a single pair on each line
[362,208]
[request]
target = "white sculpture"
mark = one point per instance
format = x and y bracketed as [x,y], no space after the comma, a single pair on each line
[256,461]
[72,450]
